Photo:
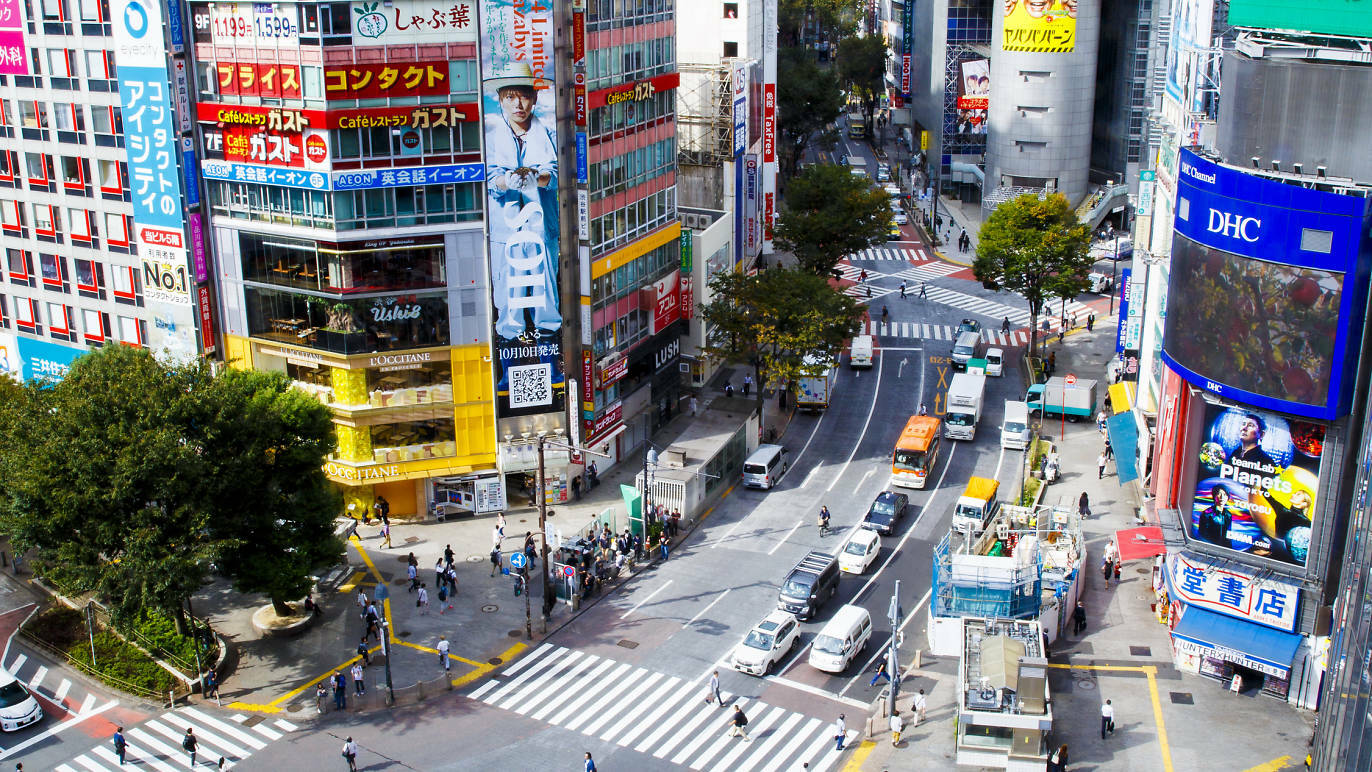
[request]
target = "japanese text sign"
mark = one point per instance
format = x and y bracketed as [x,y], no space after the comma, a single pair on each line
[414,21]
[14,59]
[1236,593]
[259,79]
[393,79]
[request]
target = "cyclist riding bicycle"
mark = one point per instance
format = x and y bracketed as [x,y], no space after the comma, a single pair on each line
[823,521]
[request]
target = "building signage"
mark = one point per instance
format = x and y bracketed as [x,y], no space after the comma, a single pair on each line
[259,79]
[1147,179]
[1126,275]
[244,144]
[907,45]
[183,95]
[252,23]
[392,362]
[582,172]
[740,109]
[687,249]
[199,260]
[578,38]
[607,421]
[289,120]
[446,174]
[176,27]
[634,92]
[390,22]
[769,124]
[587,386]
[1040,27]
[687,297]
[14,53]
[188,169]
[613,371]
[11,364]
[1184,645]
[583,214]
[666,355]
[206,318]
[1227,590]
[265,175]
[665,295]
[519,104]
[383,80]
[751,205]
[351,474]
[44,361]
[579,99]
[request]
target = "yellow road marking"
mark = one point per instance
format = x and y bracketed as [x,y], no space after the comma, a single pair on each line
[1271,766]
[712,507]
[452,656]
[484,669]
[353,582]
[1151,672]
[859,756]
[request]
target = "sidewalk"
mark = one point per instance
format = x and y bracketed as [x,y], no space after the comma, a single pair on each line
[1165,720]
[486,625]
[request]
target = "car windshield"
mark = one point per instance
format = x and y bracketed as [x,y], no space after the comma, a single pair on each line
[911,460]
[828,644]
[855,548]
[12,694]
[882,508]
[962,350]
[795,589]
[958,419]
[967,511]
[1014,427]
[758,640]
[992,359]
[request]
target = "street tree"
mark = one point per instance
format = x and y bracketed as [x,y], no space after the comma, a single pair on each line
[770,321]
[1035,247]
[862,65]
[813,102]
[829,213]
[831,17]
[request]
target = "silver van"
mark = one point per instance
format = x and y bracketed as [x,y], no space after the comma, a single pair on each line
[766,466]
[841,640]
[967,346]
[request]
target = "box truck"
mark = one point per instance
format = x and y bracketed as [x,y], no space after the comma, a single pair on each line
[816,386]
[1014,431]
[963,411]
[1055,398]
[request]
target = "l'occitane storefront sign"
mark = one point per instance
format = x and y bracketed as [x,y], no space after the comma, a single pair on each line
[368,474]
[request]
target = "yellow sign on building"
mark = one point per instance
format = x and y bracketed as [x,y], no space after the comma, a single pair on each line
[1040,26]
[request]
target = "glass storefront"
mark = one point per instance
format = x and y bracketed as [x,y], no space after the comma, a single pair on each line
[347,326]
[414,440]
[298,263]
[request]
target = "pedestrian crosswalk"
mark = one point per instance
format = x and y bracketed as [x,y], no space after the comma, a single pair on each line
[917,254]
[912,276]
[156,743]
[657,714]
[944,332]
[72,696]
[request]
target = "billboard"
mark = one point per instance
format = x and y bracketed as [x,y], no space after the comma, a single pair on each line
[1187,62]
[258,79]
[518,93]
[1237,593]
[11,364]
[1331,17]
[413,21]
[740,109]
[1040,26]
[308,149]
[44,361]
[301,179]
[14,54]
[291,120]
[907,46]
[389,79]
[1257,477]
[1263,289]
[253,24]
[973,96]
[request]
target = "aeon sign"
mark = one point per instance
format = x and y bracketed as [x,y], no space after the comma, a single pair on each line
[1234,226]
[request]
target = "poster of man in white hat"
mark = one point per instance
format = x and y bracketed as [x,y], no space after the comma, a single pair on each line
[518,102]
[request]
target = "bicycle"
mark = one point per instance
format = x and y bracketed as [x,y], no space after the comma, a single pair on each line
[823,522]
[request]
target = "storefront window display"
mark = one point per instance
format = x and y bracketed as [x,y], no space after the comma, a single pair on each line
[413,440]
[347,326]
[298,263]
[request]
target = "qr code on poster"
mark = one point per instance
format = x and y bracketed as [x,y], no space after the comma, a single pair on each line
[531,385]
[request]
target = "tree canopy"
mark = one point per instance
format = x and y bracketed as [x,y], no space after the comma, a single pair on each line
[813,102]
[830,17]
[829,213]
[862,65]
[1036,248]
[132,477]
[775,318]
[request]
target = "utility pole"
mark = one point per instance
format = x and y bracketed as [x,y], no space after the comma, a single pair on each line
[386,652]
[1114,270]
[543,548]
[892,653]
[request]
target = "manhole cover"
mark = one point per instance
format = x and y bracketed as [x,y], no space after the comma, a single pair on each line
[411,539]
[627,644]
[1140,651]
[404,633]
[495,661]
[254,720]
[489,608]
[399,581]
[1085,683]
[402,558]
[1181,698]
[515,633]
[1143,571]
[294,707]
[475,558]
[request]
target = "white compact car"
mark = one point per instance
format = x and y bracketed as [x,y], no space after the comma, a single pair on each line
[860,551]
[767,643]
[18,707]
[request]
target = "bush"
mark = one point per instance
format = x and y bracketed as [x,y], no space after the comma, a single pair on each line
[1031,489]
[121,662]
[59,627]
[157,633]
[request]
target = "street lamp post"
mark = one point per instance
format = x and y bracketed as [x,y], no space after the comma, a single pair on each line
[1114,268]
[542,443]
[386,652]
[892,663]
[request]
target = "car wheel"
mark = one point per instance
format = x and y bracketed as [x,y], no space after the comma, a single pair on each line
[767,668]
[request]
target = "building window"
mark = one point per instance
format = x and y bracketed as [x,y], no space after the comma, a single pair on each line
[131,331]
[730,49]
[95,325]
[347,325]
[125,280]
[54,272]
[117,230]
[20,266]
[26,315]
[414,440]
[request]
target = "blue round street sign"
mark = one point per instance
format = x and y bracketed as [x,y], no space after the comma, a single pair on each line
[518,561]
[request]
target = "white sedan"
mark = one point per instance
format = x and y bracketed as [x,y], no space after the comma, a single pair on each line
[767,643]
[860,551]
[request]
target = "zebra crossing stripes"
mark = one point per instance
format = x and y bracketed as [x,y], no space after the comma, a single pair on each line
[655,713]
[944,332]
[927,271]
[50,683]
[156,744]
[903,254]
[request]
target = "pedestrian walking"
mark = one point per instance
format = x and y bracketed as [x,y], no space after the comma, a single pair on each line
[919,706]
[500,523]
[862,275]
[1100,466]
[442,597]
[747,384]
[590,762]
[448,553]
[728,390]
[120,744]
[695,405]
[340,691]
[923,409]
[1005,326]
[422,601]
[386,535]
[496,536]
[1117,571]
[495,560]
[738,724]
[382,507]
[1057,762]
[1107,568]
[662,544]
[443,648]
[530,551]
[190,744]
[879,674]
[897,724]
[1090,323]
[1112,553]
[364,652]
[1074,319]
[413,574]
[1078,619]
[840,732]
[350,753]
[209,685]
[1100,420]
[923,290]
[1109,450]
[359,685]
[320,694]
[362,603]
[714,695]
[1107,719]
[1084,505]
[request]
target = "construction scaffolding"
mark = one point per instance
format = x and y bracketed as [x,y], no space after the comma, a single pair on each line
[705,114]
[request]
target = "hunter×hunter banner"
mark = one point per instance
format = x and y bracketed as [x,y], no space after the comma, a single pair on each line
[518,97]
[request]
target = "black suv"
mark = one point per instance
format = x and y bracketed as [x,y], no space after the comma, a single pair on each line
[968,325]
[886,510]
[813,581]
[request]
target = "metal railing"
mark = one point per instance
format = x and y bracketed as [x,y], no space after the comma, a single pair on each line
[150,695]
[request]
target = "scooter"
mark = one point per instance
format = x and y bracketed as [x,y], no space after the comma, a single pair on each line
[1050,469]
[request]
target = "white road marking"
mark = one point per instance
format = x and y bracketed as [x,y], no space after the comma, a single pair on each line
[73,721]
[818,692]
[38,676]
[870,410]
[777,546]
[62,690]
[700,613]
[639,605]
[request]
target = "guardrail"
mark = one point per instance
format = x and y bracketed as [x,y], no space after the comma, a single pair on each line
[165,700]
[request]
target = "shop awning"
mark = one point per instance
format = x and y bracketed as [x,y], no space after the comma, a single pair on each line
[1239,641]
[1145,542]
[1124,438]
[1122,397]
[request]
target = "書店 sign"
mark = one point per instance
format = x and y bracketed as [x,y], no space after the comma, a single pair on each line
[1235,593]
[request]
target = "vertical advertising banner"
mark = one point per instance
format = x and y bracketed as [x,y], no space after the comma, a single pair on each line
[740,109]
[14,54]
[974,95]
[1257,478]
[1186,62]
[907,46]
[1123,289]
[518,96]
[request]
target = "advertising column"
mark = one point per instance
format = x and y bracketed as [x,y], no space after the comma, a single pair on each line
[769,123]
[580,109]
[155,177]
[518,103]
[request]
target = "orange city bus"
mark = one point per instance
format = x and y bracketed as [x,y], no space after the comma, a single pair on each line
[916,451]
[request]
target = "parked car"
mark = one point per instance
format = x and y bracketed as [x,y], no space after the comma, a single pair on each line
[813,581]
[883,173]
[767,644]
[898,216]
[18,706]
[894,234]
[886,510]
[860,551]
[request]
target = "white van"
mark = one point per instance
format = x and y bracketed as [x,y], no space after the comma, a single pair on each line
[841,640]
[995,361]
[18,707]
[860,355]
[765,467]
[1014,430]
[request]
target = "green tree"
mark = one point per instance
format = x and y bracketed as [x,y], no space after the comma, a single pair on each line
[264,449]
[813,102]
[1036,248]
[862,65]
[832,17]
[775,318]
[829,213]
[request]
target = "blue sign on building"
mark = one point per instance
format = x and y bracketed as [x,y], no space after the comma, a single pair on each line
[44,361]
[266,175]
[582,163]
[447,174]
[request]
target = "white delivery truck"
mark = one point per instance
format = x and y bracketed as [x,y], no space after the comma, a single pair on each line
[860,355]
[1014,431]
[964,406]
[816,386]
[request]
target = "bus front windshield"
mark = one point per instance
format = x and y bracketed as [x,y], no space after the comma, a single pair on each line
[911,461]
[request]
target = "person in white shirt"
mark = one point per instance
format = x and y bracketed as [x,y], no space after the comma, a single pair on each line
[1107,719]
[443,647]
[423,600]
[350,753]
[897,724]
[1112,552]
[840,732]
[919,706]
[359,686]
